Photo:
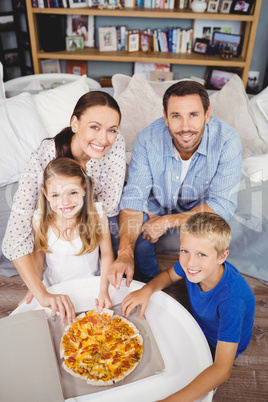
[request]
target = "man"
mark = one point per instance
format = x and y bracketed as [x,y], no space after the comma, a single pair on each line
[183,163]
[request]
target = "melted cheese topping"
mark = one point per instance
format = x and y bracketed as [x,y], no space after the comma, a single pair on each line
[99,346]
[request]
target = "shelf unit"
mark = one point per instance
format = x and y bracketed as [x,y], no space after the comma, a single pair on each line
[17,55]
[249,28]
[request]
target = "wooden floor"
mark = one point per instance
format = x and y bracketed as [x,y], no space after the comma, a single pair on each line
[249,379]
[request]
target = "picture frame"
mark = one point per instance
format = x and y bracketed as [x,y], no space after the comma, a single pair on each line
[6,22]
[107,39]
[11,58]
[233,41]
[161,76]
[74,43]
[201,45]
[225,7]
[50,66]
[76,67]
[213,6]
[78,3]
[241,7]
[82,25]
[133,42]
[217,77]
[145,42]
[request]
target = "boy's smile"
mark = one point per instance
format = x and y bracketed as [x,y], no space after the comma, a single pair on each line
[200,261]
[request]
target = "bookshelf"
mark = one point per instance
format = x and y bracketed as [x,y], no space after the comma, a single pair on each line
[15,50]
[249,24]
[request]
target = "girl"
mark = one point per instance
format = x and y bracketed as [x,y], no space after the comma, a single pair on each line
[70,230]
[93,140]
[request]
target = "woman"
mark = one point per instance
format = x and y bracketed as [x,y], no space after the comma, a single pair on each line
[93,140]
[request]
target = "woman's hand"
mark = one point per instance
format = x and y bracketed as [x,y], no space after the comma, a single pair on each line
[59,303]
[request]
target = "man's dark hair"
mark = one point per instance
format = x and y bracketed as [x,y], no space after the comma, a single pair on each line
[184,88]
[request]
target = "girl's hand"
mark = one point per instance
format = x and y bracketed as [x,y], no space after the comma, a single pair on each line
[59,303]
[103,301]
[28,298]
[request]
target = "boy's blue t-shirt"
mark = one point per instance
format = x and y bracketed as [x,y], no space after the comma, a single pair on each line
[226,312]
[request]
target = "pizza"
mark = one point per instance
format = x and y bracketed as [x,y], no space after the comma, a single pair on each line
[101,348]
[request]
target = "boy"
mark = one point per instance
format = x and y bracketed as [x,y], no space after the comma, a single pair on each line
[221,300]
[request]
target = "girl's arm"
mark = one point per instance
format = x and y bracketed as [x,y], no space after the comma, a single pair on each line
[211,377]
[107,258]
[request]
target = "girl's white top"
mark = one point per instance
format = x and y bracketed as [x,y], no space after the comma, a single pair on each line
[62,263]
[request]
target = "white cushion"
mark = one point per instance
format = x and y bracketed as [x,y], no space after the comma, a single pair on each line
[256,168]
[21,133]
[259,107]
[2,85]
[55,106]
[141,103]
[231,104]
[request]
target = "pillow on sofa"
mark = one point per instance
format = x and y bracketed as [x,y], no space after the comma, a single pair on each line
[231,104]
[256,168]
[259,107]
[21,133]
[138,97]
[55,106]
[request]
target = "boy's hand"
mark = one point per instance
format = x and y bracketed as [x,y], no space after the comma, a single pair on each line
[138,297]
[103,301]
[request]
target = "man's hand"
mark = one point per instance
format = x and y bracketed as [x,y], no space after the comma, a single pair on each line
[154,228]
[123,265]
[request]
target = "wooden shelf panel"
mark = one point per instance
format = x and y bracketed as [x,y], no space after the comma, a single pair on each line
[154,57]
[144,13]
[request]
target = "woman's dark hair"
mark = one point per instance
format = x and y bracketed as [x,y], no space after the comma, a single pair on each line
[88,100]
[184,88]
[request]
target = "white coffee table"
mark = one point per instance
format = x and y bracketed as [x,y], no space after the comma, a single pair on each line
[181,342]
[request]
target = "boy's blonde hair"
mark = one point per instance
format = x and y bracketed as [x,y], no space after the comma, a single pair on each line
[88,221]
[211,226]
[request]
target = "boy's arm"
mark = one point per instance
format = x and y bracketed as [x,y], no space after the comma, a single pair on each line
[211,377]
[142,296]
[107,258]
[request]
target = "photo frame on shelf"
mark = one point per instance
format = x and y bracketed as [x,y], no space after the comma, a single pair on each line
[133,42]
[50,66]
[145,42]
[11,58]
[76,67]
[74,43]
[107,39]
[222,40]
[217,77]
[213,6]
[6,22]
[225,6]
[161,76]
[81,25]
[201,45]
[78,3]
[241,7]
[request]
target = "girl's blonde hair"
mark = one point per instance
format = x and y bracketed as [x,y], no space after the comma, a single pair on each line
[88,220]
[210,226]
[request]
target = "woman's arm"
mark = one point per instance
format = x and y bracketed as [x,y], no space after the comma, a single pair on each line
[211,377]
[107,258]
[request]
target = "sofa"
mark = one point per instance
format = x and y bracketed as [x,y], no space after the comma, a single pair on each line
[28,117]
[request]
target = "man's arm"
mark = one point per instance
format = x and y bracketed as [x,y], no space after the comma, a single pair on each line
[153,229]
[130,224]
